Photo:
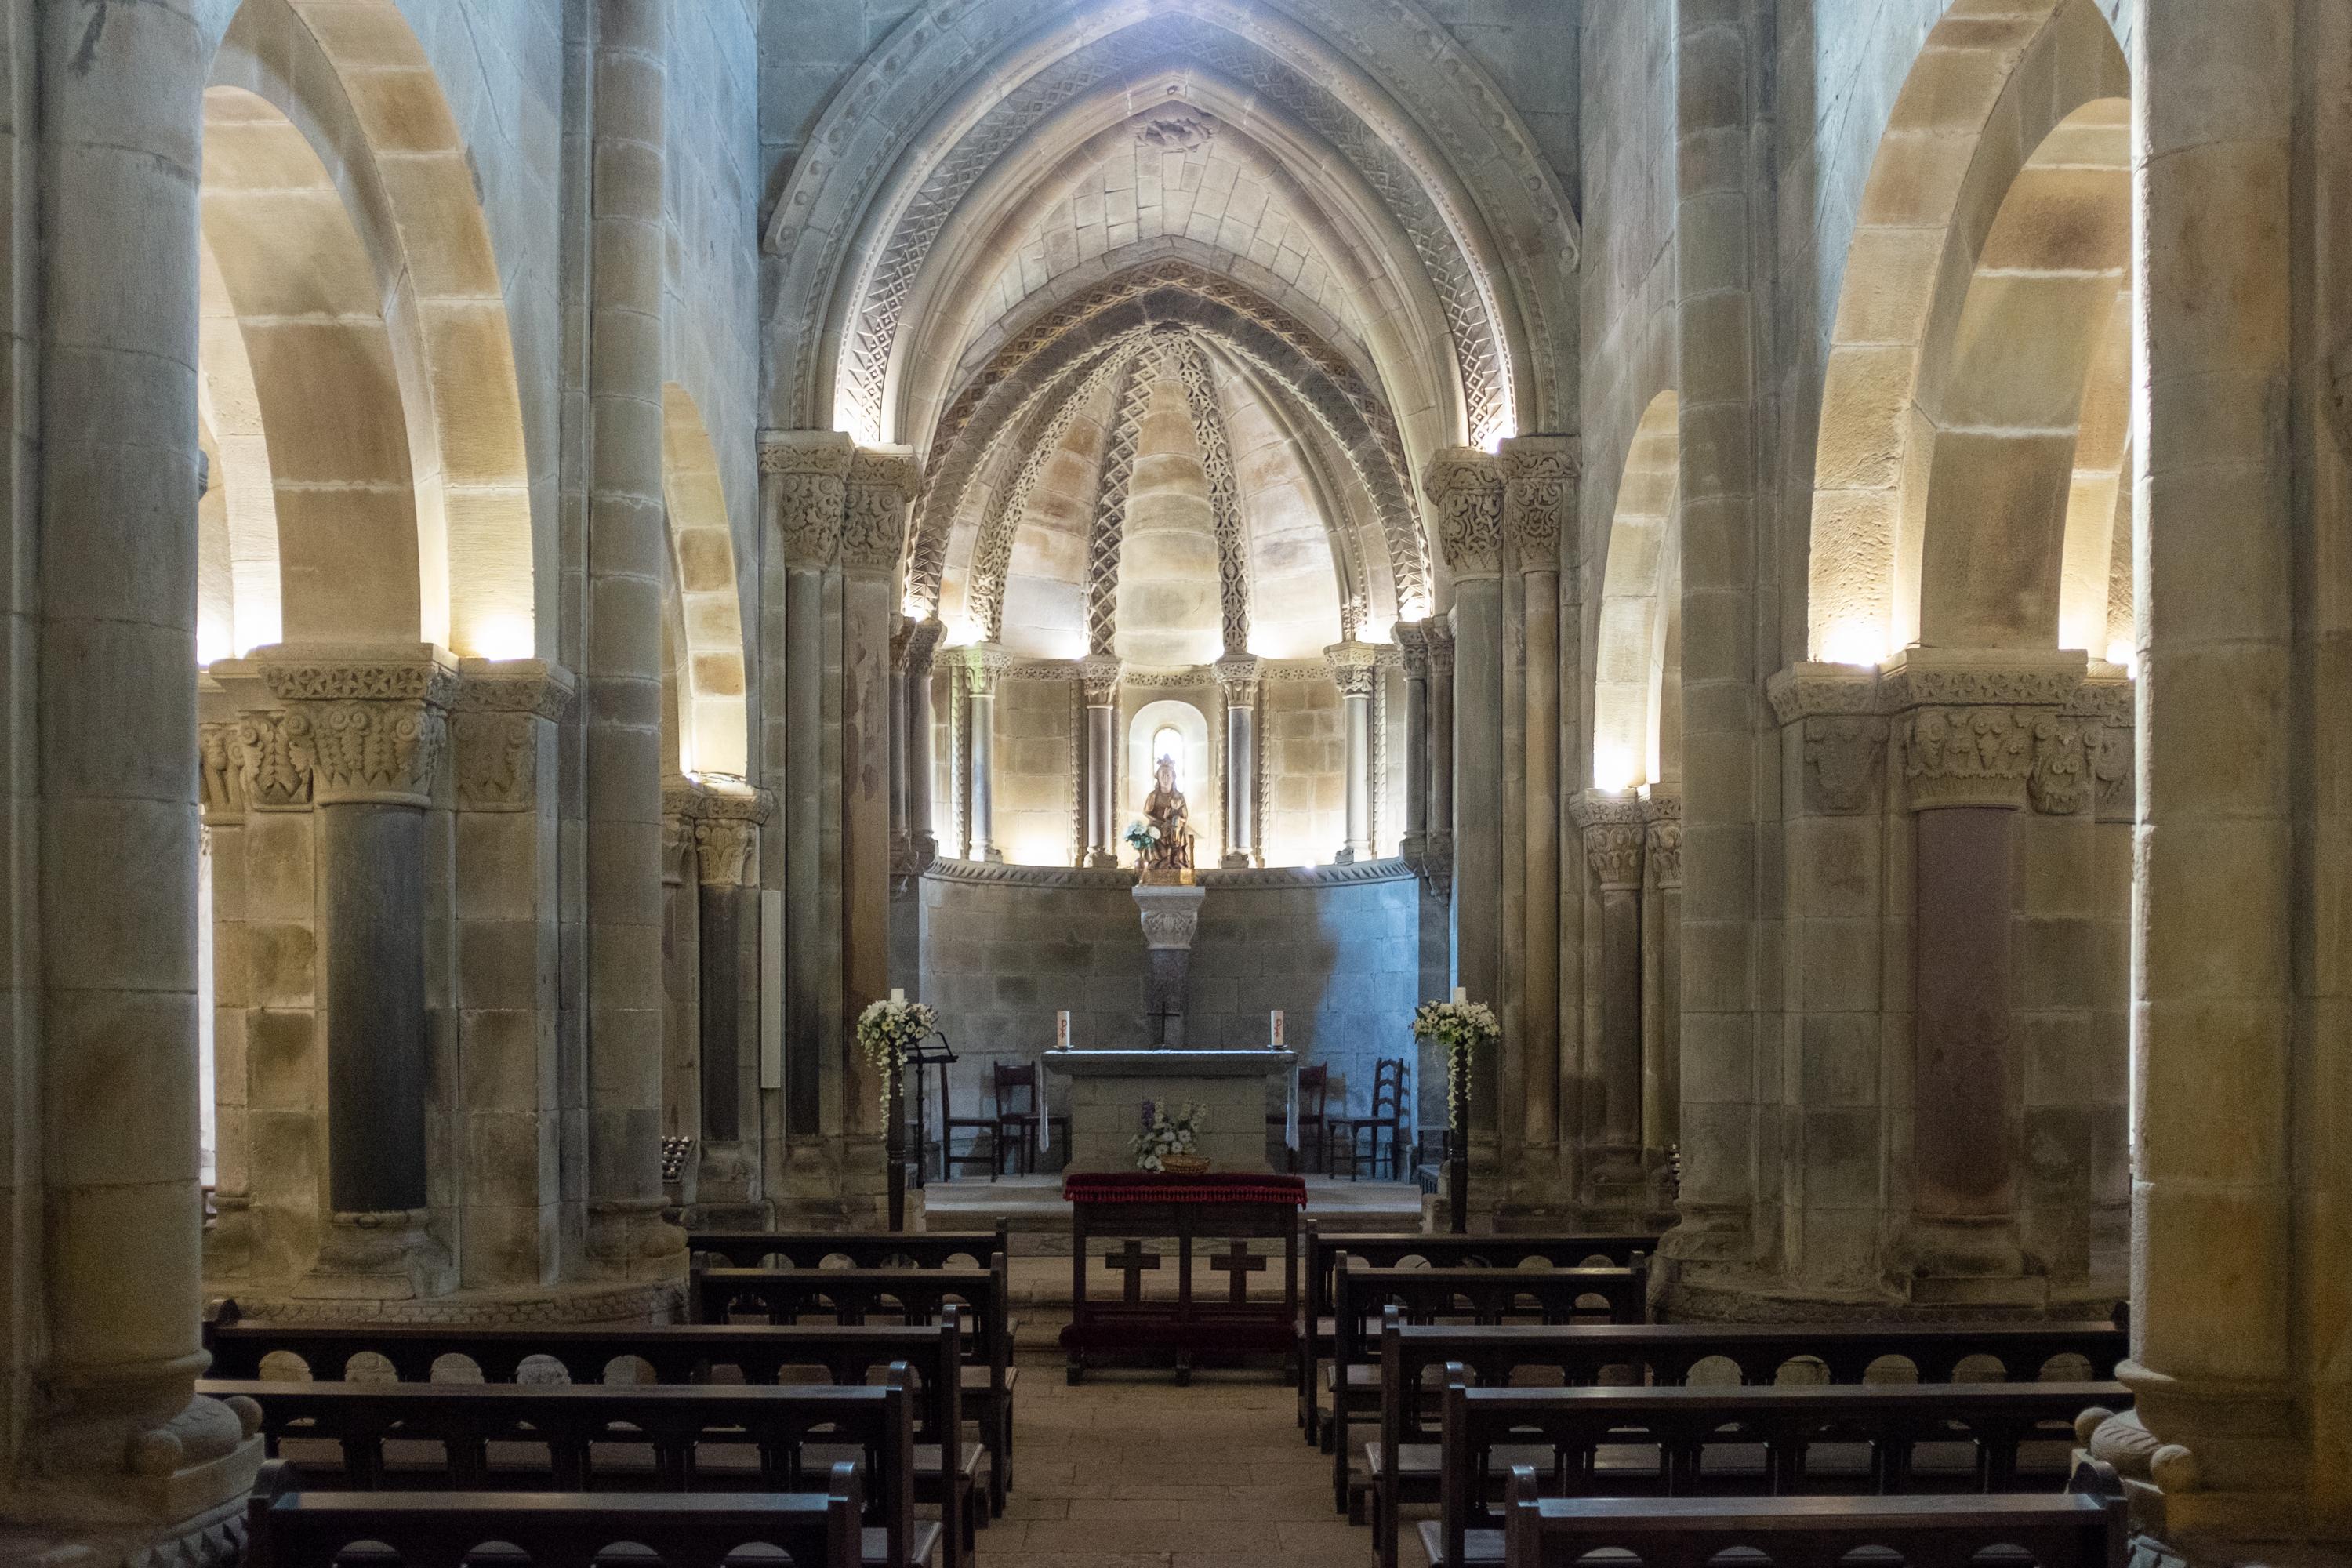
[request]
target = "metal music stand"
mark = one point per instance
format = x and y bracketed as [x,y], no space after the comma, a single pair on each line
[933,1051]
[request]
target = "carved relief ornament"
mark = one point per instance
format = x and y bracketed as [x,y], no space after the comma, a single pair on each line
[1353,665]
[1662,811]
[882,482]
[1098,678]
[1615,835]
[375,727]
[1834,710]
[1540,477]
[804,476]
[1466,486]
[502,710]
[220,773]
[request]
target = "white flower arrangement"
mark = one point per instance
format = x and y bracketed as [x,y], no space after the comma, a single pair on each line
[1165,1133]
[887,1031]
[1462,1027]
[1142,835]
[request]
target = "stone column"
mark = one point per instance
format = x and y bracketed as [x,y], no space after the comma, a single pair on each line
[873,538]
[1465,487]
[621,666]
[681,971]
[1099,680]
[2226,1353]
[1662,861]
[988,662]
[1354,666]
[1538,512]
[1615,831]
[1237,685]
[1438,632]
[804,479]
[902,850]
[1973,726]
[922,648]
[375,724]
[115,1258]
[221,775]
[1413,641]
[505,898]
[727,947]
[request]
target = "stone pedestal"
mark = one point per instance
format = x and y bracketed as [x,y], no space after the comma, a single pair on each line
[1172,915]
[1107,1089]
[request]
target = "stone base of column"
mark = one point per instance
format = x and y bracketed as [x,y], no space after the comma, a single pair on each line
[838,1181]
[2209,1470]
[631,1238]
[1968,1262]
[1103,861]
[213,1538]
[726,1191]
[379,1257]
[1236,860]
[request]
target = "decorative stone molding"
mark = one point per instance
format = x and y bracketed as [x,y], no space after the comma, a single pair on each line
[806,477]
[1835,708]
[1238,674]
[1966,756]
[723,848]
[1098,678]
[1439,637]
[1661,812]
[918,648]
[220,774]
[882,483]
[985,664]
[1353,666]
[1175,130]
[1615,830]
[1539,480]
[1171,916]
[1413,649]
[1466,486]
[1920,678]
[375,724]
[500,708]
[993,874]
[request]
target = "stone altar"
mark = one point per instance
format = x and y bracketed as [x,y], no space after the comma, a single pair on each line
[1107,1089]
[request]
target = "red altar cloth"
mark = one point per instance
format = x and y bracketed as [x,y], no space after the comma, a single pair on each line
[1165,1187]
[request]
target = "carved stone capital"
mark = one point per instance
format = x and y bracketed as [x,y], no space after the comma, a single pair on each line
[375,722]
[1968,756]
[726,798]
[276,764]
[804,480]
[881,485]
[1841,761]
[1466,486]
[1412,647]
[987,662]
[220,773]
[1353,667]
[502,707]
[1098,675]
[1661,811]
[1615,830]
[919,646]
[723,849]
[1539,478]
[1808,691]
[1440,638]
[527,686]
[1920,678]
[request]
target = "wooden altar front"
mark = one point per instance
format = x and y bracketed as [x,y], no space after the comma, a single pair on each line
[1223,1327]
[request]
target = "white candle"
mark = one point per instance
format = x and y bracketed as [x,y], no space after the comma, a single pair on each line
[1274,1038]
[898,998]
[1462,992]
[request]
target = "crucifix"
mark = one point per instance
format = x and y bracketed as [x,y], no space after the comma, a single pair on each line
[1160,1018]
[1238,1264]
[1134,1260]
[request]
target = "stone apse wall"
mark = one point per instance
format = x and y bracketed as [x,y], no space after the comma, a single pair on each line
[1339,950]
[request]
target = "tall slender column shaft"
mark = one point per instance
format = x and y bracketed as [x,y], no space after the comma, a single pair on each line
[1661,976]
[1613,842]
[1354,667]
[922,648]
[114,1245]
[989,662]
[1413,640]
[1438,631]
[1237,682]
[1098,682]
[622,665]
[727,858]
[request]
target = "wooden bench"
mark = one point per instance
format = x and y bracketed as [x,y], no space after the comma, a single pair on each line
[1484,1297]
[1697,1441]
[598,1438]
[2087,1527]
[914,1296]
[947,1469]
[289,1527]
[1322,1249]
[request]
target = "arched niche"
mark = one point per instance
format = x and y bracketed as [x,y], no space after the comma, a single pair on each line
[1194,771]
[1926,287]
[1638,646]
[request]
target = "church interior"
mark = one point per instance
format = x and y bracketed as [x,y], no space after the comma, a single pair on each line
[1489,783]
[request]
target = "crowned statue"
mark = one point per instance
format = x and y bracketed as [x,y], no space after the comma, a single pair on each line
[1170,846]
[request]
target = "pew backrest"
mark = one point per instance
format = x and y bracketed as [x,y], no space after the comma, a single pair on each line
[855,1250]
[1617,1250]
[289,1527]
[2083,1528]
[852,1296]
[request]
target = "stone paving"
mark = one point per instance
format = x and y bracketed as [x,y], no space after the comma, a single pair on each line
[1128,1470]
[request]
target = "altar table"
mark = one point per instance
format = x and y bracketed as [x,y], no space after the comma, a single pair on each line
[1135,1205]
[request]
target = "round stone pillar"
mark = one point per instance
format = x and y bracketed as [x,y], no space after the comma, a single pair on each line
[1615,831]
[988,663]
[922,647]
[1354,666]
[1099,680]
[1412,640]
[1237,684]
[1662,1078]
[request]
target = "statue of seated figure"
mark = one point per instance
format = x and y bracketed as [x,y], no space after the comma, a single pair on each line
[1164,809]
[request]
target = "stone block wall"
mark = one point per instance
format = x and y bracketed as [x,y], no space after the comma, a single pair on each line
[1303,746]
[1004,948]
[1037,770]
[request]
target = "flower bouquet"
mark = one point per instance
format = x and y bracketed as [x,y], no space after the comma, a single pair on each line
[1462,1026]
[888,1030]
[1141,836]
[1167,1138]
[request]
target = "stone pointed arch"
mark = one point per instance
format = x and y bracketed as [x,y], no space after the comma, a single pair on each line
[352,78]
[1446,141]
[1640,588]
[1986,92]
[714,721]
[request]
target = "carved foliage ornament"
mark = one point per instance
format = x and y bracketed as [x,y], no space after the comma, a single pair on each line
[276,765]
[874,521]
[1466,487]
[220,771]
[1841,757]
[1539,475]
[371,751]
[807,484]
[1968,756]
[1170,928]
[1614,831]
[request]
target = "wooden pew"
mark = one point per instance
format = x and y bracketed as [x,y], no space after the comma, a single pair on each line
[861,1249]
[946,1468]
[1563,1431]
[1380,1251]
[592,1436]
[289,1527]
[1412,1356]
[2087,1527]
[1485,1297]
[913,1296]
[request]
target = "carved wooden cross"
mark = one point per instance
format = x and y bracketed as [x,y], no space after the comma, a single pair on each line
[1238,1265]
[1160,1018]
[1132,1259]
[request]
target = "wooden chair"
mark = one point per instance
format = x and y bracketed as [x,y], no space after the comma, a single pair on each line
[1366,1138]
[1018,1126]
[1314,1116]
